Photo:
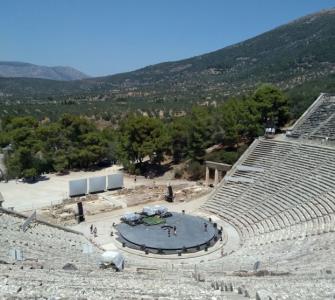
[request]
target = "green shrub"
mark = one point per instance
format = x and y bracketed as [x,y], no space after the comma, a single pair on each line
[224,156]
[195,170]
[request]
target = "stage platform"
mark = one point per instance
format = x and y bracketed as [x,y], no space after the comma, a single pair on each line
[191,235]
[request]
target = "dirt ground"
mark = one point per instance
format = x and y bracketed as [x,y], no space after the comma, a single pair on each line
[112,201]
[53,190]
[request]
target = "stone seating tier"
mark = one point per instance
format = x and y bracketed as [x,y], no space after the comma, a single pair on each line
[318,121]
[296,186]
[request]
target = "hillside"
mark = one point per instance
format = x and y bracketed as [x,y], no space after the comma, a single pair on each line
[289,56]
[21,69]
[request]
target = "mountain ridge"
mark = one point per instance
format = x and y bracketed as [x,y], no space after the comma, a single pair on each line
[15,69]
[288,56]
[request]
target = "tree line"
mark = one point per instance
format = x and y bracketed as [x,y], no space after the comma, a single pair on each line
[75,142]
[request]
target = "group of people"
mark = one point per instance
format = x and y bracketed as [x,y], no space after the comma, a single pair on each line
[94,230]
[174,231]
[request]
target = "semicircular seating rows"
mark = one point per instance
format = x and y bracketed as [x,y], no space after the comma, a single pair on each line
[280,196]
[318,121]
[294,195]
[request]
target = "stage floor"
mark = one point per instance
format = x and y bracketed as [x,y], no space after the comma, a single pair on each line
[191,234]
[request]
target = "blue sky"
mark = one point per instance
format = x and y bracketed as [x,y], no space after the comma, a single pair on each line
[103,37]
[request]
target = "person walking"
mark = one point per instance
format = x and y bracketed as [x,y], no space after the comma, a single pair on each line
[174,230]
[95,232]
[91,228]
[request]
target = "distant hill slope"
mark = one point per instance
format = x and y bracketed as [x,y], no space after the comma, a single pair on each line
[289,56]
[22,69]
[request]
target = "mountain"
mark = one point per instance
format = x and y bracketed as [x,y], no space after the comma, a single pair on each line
[22,69]
[289,56]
